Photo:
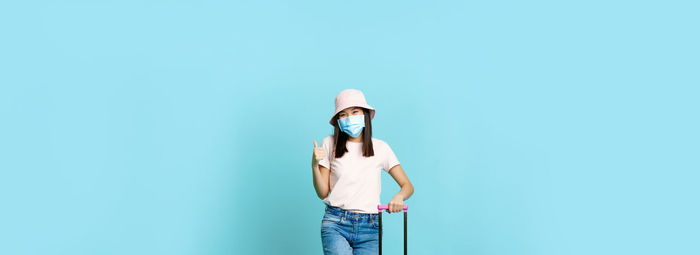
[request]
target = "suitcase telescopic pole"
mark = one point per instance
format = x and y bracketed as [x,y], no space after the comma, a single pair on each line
[405,225]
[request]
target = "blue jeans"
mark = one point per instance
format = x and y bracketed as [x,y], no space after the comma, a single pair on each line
[349,233]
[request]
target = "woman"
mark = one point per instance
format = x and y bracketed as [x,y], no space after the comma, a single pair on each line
[347,176]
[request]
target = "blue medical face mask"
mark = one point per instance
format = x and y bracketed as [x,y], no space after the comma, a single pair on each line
[352,125]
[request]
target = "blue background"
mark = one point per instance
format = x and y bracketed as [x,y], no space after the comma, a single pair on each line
[187,127]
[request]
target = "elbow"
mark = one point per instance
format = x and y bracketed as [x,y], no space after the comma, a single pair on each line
[410,189]
[322,196]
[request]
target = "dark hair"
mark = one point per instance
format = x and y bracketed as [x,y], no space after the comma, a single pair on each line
[341,137]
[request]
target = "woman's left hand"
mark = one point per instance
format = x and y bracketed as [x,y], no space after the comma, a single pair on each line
[396,204]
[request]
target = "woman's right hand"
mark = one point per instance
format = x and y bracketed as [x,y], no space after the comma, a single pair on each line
[319,153]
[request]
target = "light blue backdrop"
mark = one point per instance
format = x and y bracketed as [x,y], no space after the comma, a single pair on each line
[187,127]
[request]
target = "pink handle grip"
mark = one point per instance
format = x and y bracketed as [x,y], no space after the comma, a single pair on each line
[386,207]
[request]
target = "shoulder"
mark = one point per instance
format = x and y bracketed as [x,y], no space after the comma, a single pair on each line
[378,143]
[327,140]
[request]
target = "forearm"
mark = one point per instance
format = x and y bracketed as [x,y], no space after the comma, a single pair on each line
[320,182]
[405,192]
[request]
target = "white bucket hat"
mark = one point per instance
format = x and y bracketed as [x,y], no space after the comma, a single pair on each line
[351,98]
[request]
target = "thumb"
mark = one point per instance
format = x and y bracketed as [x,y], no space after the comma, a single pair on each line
[315,144]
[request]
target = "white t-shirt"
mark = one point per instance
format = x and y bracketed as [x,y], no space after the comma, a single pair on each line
[355,181]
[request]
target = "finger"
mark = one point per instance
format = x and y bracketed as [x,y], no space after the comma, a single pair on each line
[315,144]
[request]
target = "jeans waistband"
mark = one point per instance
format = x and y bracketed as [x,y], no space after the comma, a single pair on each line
[348,214]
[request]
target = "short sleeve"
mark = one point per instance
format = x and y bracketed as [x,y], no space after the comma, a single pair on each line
[390,159]
[326,144]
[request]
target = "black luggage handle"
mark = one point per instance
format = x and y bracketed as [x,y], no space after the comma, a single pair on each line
[405,221]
